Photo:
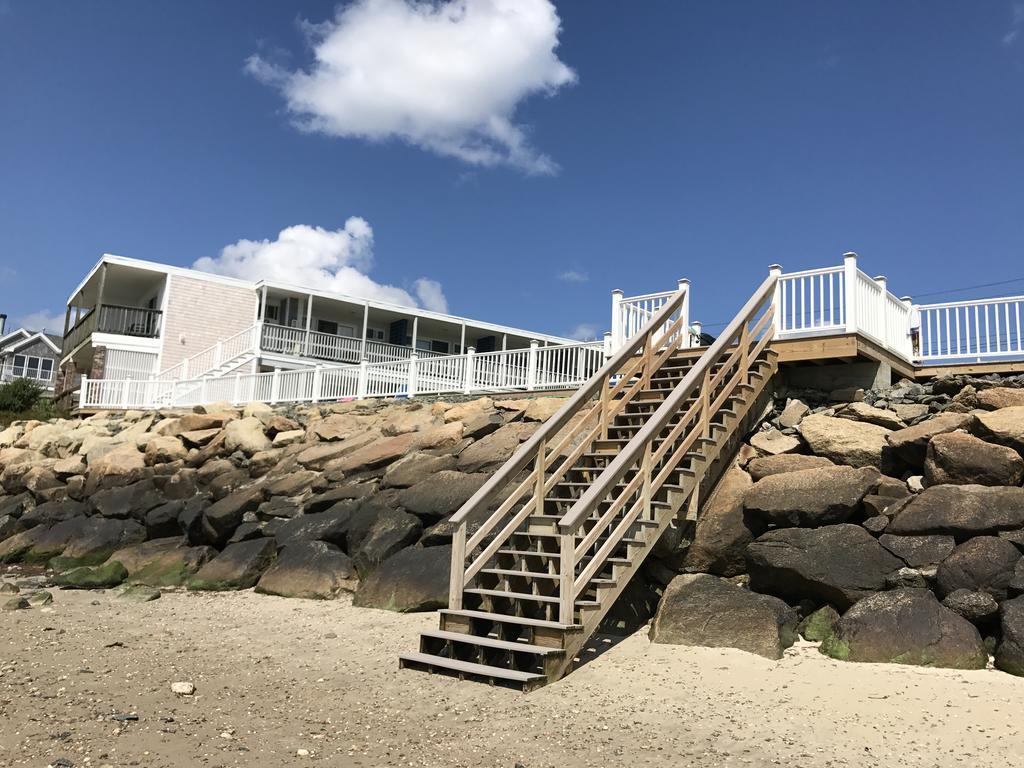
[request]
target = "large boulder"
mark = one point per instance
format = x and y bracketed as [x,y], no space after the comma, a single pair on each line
[164,449]
[221,518]
[961,511]
[171,567]
[95,539]
[239,566]
[856,443]
[985,563]
[962,459]
[836,564]
[974,606]
[133,500]
[811,497]
[117,465]
[379,453]
[906,626]
[723,530]
[1009,655]
[441,494]
[911,443]
[414,579]
[918,551]
[330,526]
[391,532]
[314,570]
[764,466]
[494,450]
[995,398]
[415,468]
[703,610]
[52,512]
[1005,426]
[246,435]
[104,576]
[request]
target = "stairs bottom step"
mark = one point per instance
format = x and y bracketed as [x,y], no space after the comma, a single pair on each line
[463,669]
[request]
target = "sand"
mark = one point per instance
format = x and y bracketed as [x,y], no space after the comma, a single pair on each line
[291,683]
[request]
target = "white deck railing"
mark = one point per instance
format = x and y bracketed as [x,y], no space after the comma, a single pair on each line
[630,314]
[224,351]
[962,330]
[536,368]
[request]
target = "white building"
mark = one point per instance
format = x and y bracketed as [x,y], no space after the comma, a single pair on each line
[133,319]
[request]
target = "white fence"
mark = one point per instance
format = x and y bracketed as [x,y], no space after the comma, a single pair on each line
[556,367]
[963,330]
[630,314]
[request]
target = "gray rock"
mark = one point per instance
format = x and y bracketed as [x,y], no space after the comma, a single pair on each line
[162,521]
[239,566]
[415,468]
[811,497]
[131,501]
[723,528]
[15,604]
[866,413]
[962,459]
[39,598]
[961,511]
[414,579]
[876,524]
[330,526]
[314,570]
[703,610]
[222,517]
[973,606]
[918,551]
[392,531]
[441,494]
[105,576]
[52,512]
[1009,655]
[139,593]
[836,564]
[984,563]
[906,626]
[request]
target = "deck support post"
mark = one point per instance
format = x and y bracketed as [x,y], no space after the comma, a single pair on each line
[83,389]
[275,385]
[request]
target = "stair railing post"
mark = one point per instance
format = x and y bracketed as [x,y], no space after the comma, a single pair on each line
[184,369]
[648,359]
[531,366]
[697,329]
[684,313]
[275,386]
[705,404]
[607,339]
[775,270]
[317,392]
[850,291]
[744,351]
[645,469]
[410,388]
[218,354]
[361,384]
[606,389]
[617,339]
[538,485]
[566,578]
[457,582]
[470,364]
[202,390]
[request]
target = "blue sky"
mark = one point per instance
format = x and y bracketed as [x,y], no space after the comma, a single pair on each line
[634,144]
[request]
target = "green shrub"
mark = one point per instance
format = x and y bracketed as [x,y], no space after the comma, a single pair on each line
[20,395]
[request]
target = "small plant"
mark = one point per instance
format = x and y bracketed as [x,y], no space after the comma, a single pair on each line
[20,395]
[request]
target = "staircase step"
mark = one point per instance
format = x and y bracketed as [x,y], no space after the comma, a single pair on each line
[469,668]
[529,553]
[506,619]
[527,574]
[490,642]
[512,595]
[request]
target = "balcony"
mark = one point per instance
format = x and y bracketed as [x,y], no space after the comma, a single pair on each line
[296,342]
[140,322]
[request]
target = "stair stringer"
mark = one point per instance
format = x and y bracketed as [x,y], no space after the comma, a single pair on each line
[720,455]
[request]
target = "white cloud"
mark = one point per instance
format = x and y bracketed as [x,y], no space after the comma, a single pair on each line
[444,76]
[574,276]
[585,332]
[1016,23]
[43,320]
[336,261]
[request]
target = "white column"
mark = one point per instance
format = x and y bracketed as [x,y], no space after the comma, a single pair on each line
[470,353]
[236,397]
[366,326]
[309,321]
[850,290]
[698,328]
[462,340]
[504,359]
[410,387]
[913,328]
[415,330]
[263,305]
[531,365]
[616,320]
[684,311]
[275,386]
[775,270]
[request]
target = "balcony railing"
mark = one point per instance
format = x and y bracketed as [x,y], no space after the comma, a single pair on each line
[112,318]
[297,342]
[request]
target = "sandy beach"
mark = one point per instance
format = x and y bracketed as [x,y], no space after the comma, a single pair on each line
[289,682]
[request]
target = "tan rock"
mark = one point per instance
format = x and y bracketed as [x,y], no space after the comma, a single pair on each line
[871,415]
[910,411]
[1000,397]
[773,442]
[324,455]
[439,437]
[337,426]
[1005,427]
[289,437]
[911,443]
[123,460]
[412,419]
[494,450]
[164,449]
[197,438]
[794,411]
[856,443]
[462,411]
[543,408]
[246,435]
[378,453]
[69,467]
[256,409]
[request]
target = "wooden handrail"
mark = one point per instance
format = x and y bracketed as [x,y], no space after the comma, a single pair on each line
[631,452]
[522,457]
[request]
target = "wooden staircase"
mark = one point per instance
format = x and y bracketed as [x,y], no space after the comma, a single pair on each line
[595,488]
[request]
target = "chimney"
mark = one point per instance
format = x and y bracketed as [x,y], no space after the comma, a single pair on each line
[3,324]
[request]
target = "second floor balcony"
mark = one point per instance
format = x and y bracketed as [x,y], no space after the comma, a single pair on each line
[140,322]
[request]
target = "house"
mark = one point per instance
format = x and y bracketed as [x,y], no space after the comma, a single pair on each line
[140,320]
[30,355]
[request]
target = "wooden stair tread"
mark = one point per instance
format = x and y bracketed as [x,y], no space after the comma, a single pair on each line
[514,572]
[470,668]
[505,618]
[490,642]
[512,595]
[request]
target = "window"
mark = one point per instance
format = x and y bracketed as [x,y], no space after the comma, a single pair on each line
[271,312]
[327,326]
[374,333]
[29,367]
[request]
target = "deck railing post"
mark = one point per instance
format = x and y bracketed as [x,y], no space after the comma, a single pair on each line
[203,390]
[126,393]
[684,313]
[218,354]
[275,385]
[184,369]
[850,291]
[616,320]
[608,350]
[317,384]
[531,366]
[361,384]
[775,270]
[696,329]
[410,388]
[470,363]
[913,327]
[236,395]
[83,392]
[883,308]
